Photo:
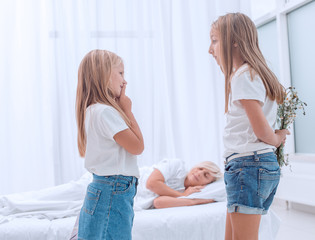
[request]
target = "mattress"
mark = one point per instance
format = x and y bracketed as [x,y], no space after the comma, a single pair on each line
[181,223]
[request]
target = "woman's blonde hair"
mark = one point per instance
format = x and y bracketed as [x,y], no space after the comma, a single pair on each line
[94,87]
[237,28]
[212,168]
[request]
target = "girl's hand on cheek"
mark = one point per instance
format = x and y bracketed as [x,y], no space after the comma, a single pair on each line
[124,101]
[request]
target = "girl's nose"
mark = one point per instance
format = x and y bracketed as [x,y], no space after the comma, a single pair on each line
[210,50]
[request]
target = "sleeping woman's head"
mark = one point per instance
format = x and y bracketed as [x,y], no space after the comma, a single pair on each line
[202,174]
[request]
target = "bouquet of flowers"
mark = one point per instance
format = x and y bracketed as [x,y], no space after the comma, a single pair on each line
[286,116]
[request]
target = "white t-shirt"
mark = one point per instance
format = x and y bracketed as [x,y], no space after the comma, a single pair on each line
[174,173]
[239,136]
[104,156]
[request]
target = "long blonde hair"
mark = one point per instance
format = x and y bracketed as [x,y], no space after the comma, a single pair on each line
[237,28]
[93,87]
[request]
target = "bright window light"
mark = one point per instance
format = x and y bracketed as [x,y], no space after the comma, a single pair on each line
[260,8]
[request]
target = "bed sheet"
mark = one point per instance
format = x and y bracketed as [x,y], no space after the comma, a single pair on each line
[181,223]
[37,229]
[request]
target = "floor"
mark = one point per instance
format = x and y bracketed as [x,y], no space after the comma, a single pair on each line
[295,225]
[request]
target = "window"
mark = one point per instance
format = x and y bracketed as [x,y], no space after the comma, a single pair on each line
[286,40]
[267,34]
[301,23]
[260,8]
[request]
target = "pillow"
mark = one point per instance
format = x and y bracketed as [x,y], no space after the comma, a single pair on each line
[215,191]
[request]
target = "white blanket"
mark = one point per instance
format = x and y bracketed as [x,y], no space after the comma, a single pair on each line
[51,203]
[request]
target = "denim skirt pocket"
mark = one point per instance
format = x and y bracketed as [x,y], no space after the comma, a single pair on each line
[232,179]
[233,167]
[91,199]
[268,181]
[123,185]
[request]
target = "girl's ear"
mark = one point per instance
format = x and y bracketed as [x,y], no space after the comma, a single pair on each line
[235,44]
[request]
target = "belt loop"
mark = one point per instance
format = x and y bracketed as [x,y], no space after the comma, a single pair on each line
[255,156]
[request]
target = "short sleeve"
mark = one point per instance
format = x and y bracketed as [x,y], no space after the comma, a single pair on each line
[170,167]
[243,87]
[111,122]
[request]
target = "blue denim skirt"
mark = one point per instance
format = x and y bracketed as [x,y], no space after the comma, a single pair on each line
[107,211]
[251,183]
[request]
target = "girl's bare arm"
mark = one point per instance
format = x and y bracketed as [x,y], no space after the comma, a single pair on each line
[131,139]
[260,125]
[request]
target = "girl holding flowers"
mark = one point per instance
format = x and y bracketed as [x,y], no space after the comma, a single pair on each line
[252,94]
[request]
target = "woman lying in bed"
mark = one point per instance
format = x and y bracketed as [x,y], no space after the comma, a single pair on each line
[164,184]
[168,184]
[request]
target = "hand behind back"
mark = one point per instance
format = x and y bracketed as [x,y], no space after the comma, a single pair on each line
[282,136]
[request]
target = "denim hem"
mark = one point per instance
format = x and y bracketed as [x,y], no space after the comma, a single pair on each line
[246,210]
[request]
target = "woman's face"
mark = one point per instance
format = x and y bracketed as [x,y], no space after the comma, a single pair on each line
[214,48]
[117,80]
[199,177]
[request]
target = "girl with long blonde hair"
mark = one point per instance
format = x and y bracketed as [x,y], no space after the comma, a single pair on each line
[252,93]
[109,138]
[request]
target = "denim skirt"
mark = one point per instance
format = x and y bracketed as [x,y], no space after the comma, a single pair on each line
[251,183]
[107,211]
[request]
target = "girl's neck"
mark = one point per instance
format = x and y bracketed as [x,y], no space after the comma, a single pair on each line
[238,65]
[238,61]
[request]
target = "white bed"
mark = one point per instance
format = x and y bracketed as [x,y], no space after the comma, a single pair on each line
[51,214]
[181,223]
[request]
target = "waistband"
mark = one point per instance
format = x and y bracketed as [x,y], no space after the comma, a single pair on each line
[238,155]
[114,177]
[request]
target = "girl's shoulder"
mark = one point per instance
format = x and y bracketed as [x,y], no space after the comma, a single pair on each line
[99,111]
[242,71]
[100,108]
[246,84]
[105,119]
[246,74]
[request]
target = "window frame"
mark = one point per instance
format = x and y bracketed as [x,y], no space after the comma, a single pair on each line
[284,7]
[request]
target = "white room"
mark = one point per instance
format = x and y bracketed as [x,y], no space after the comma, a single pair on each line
[178,98]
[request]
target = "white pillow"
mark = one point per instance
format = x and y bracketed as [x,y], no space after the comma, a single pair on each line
[215,191]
